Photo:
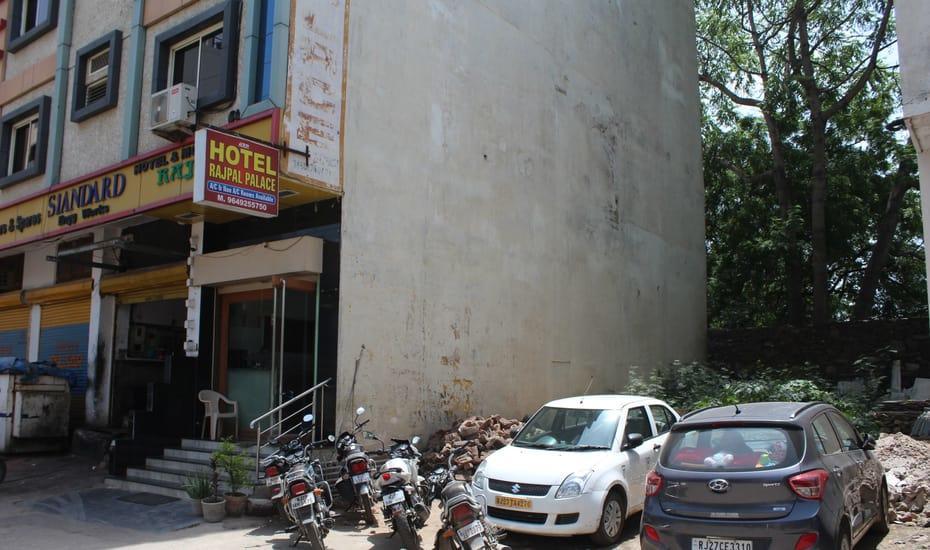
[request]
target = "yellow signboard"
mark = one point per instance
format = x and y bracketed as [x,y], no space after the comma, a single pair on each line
[138,185]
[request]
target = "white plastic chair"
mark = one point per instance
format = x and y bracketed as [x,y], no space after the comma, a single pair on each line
[211,409]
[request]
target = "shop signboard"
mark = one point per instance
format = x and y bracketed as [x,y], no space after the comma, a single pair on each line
[235,173]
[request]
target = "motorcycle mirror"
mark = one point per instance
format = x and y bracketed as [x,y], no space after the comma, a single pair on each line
[415,440]
[331,438]
[360,411]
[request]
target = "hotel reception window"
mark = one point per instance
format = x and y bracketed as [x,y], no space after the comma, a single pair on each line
[201,52]
[23,141]
[30,19]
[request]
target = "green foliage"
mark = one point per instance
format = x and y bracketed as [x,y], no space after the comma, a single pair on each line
[197,486]
[230,459]
[692,386]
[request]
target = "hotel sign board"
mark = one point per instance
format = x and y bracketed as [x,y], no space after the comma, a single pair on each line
[235,173]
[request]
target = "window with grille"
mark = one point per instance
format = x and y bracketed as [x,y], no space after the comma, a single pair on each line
[96,81]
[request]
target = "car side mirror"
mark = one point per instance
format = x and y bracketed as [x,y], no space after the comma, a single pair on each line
[633,440]
[868,443]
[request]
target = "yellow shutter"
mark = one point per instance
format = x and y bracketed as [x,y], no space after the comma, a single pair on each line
[162,283]
[66,313]
[14,318]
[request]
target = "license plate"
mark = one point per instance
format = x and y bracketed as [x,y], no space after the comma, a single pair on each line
[720,544]
[472,529]
[276,480]
[361,478]
[393,498]
[513,502]
[302,500]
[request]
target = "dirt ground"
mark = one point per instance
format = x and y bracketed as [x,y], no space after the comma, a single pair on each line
[31,479]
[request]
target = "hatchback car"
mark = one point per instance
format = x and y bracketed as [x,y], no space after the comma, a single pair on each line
[764,476]
[576,468]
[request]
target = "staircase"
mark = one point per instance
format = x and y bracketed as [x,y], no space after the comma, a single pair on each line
[166,475]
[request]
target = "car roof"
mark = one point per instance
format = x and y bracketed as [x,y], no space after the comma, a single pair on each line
[600,401]
[771,411]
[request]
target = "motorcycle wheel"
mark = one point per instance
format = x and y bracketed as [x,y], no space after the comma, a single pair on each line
[409,539]
[312,534]
[366,507]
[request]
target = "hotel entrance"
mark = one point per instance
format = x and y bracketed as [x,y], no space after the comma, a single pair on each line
[266,345]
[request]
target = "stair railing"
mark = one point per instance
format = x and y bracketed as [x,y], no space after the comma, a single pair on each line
[317,410]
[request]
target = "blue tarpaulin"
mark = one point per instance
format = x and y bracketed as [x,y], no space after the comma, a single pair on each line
[16,365]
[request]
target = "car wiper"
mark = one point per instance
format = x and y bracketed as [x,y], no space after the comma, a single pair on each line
[587,448]
[532,445]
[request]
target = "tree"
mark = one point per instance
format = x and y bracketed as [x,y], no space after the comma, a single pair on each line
[796,107]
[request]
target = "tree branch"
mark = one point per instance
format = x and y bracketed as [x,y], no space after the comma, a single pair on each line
[734,97]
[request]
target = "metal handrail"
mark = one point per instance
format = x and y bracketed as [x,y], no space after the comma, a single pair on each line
[288,402]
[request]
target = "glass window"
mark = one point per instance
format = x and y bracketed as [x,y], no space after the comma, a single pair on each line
[637,423]
[663,418]
[23,147]
[733,448]
[849,439]
[824,436]
[200,62]
[34,12]
[263,75]
[569,429]
[30,19]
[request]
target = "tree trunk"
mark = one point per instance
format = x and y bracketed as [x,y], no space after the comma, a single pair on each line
[821,292]
[793,287]
[865,299]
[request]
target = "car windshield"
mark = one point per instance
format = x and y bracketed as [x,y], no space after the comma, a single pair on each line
[569,429]
[733,448]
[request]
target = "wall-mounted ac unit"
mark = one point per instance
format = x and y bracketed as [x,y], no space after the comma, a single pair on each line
[173,111]
[95,77]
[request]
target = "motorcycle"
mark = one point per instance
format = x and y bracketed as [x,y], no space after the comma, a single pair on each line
[354,485]
[463,525]
[402,490]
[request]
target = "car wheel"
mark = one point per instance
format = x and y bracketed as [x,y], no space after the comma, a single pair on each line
[881,524]
[845,542]
[613,517]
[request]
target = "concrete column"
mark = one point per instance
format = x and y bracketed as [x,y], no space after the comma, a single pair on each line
[37,273]
[194,293]
[100,338]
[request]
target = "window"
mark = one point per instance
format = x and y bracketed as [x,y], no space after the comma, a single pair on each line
[96,80]
[733,448]
[11,273]
[824,437]
[570,429]
[849,439]
[30,19]
[76,266]
[663,418]
[637,423]
[263,74]
[23,137]
[201,52]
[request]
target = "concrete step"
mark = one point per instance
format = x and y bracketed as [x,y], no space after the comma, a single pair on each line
[173,479]
[189,455]
[205,445]
[141,486]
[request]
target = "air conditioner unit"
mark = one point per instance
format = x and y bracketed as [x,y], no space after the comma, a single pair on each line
[95,79]
[173,111]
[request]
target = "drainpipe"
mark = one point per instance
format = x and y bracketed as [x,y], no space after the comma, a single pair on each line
[60,93]
[130,145]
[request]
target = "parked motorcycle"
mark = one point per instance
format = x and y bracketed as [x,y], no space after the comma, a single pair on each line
[463,525]
[354,485]
[401,491]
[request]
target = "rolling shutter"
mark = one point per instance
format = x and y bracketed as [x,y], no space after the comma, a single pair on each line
[162,283]
[14,325]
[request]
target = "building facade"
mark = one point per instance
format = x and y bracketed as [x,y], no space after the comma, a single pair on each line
[911,20]
[479,206]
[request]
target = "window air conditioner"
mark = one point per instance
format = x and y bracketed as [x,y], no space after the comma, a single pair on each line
[95,80]
[173,111]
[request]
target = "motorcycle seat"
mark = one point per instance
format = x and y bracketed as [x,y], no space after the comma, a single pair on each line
[453,490]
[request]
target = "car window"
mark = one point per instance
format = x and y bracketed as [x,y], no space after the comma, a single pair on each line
[824,437]
[638,423]
[732,448]
[849,439]
[663,418]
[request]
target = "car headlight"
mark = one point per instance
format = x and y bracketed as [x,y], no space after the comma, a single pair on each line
[480,481]
[573,485]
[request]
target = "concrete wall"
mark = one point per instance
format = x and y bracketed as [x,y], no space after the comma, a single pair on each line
[912,17]
[523,204]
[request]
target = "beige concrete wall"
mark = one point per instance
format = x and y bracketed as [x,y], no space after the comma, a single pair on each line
[523,204]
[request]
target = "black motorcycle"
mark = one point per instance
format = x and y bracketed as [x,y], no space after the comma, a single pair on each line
[463,525]
[354,485]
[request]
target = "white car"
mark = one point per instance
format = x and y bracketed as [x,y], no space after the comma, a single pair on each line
[577,467]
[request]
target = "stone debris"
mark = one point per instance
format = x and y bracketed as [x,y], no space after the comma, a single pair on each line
[480,436]
[908,476]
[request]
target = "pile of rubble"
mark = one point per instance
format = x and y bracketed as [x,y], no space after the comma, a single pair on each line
[480,436]
[905,460]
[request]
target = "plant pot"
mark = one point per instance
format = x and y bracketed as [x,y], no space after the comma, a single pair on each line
[197,507]
[236,503]
[214,510]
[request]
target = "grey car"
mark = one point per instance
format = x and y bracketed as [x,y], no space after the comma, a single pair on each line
[764,476]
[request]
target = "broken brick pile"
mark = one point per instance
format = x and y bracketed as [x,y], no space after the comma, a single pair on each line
[480,436]
[905,460]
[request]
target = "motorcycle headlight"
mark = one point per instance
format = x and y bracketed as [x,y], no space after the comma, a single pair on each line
[573,485]
[480,481]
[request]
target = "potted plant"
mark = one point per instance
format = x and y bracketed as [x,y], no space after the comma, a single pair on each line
[198,488]
[230,459]
[214,506]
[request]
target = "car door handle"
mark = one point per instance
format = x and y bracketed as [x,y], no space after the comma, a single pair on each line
[657,446]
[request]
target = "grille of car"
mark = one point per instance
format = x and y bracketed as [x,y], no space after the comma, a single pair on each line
[523,489]
[514,515]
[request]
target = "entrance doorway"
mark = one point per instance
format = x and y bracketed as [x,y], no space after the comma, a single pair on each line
[267,343]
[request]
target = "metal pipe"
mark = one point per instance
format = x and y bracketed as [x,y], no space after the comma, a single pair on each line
[316,348]
[274,340]
[281,357]
[274,410]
